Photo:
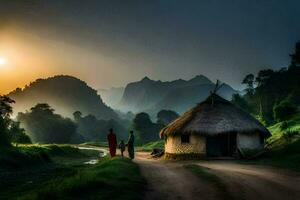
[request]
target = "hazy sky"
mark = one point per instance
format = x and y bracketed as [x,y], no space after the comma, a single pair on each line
[110,43]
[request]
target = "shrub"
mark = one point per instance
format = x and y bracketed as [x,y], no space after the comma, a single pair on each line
[288,135]
[284,125]
[284,110]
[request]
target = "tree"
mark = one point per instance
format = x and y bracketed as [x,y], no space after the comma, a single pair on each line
[284,110]
[164,117]
[241,102]
[17,134]
[249,82]
[45,126]
[5,112]
[276,93]
[146,129]
[295,57]
[90,128]
[77,116]
[263,76]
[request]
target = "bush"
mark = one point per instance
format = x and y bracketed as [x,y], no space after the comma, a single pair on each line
[284,125]
[284,110]
[17,134]
[288,135]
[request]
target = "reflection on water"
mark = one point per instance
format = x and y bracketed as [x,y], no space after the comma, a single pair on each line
[92,162]
[102,153]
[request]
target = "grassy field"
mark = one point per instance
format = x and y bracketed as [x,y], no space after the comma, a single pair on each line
[59,172]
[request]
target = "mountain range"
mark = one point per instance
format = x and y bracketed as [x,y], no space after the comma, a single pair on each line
[152,96]
[67,94]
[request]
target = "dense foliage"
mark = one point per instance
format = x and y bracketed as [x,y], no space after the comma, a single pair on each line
[44,126]
[146,130]
[5,112]
[93,129]
[10,131]
[166,116]
[17,134]
[273,95]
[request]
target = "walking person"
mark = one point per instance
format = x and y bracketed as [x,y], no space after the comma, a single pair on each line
[112,142]
[122,147]
[130,145]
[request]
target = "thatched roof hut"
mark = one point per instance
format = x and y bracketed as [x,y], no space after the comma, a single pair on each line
[215,117]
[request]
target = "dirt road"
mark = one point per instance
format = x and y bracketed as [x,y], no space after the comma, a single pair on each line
[170,180]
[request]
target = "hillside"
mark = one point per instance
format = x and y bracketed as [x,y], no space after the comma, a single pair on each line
[66,94]
[178,95]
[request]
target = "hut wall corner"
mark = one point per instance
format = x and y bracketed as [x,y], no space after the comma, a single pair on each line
[249,141]
[196,145]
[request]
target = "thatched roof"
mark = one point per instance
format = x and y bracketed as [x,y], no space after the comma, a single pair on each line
[214,116]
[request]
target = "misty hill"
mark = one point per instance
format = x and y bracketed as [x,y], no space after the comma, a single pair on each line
[178,95]
[112,96]
[65,94]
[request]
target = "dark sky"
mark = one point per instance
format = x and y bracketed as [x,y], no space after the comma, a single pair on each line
[110,43]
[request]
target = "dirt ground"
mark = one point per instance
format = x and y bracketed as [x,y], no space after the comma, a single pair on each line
[170,180]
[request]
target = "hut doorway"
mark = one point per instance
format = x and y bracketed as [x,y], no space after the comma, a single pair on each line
[223,145]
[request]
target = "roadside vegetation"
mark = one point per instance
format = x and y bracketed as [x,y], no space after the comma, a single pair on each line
[60,172]
[283,147]
[273,97]
[110,179]
[151,145]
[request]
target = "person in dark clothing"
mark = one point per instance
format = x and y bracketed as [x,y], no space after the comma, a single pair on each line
[112,142]
[122,147]
[130,145]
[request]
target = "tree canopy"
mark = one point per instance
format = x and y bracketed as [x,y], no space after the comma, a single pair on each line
[44,126]
[146,130]
[164,117]
[268,98]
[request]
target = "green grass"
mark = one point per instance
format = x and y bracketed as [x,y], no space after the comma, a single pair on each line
[292,125]
[62,174]
[149,146]
[283,147]
[212,179]
[32,155]
[284,154]
[116,178]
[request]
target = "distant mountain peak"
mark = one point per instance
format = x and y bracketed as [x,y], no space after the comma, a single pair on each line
[200,79]
[146,78]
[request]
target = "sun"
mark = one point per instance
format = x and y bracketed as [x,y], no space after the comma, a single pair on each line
[2,61]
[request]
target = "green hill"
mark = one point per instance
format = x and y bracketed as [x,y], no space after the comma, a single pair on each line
[66,94]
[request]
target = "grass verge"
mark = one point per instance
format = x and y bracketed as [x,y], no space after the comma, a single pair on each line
[59,172]
[117,178]
[151,145]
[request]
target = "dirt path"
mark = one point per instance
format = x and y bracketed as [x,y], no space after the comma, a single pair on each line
[255,182]
[170,180]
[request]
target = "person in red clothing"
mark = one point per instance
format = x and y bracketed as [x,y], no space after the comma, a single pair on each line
[112,142]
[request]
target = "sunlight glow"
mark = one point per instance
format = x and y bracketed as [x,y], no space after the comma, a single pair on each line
[2,61]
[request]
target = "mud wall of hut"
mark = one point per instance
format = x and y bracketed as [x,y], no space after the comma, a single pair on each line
[249,141]
[196,145]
